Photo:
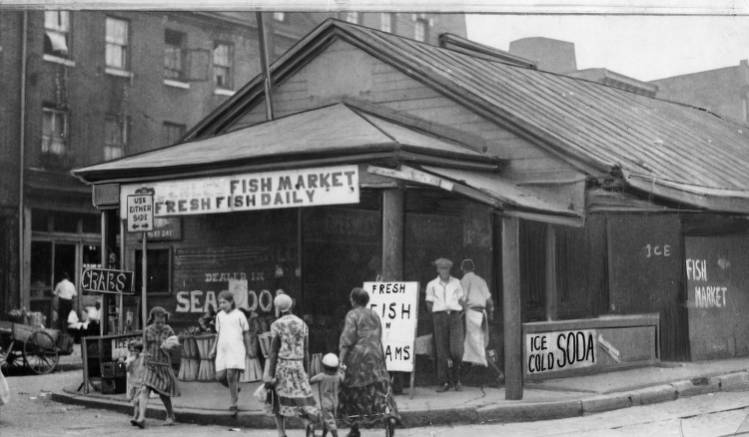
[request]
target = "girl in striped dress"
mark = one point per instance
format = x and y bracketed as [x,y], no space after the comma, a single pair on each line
[158,375]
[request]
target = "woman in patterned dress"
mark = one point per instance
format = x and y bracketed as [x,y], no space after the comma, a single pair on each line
[285,371]
[365,397]
[158,375]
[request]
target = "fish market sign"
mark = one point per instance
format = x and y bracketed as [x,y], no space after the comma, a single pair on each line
[251,191]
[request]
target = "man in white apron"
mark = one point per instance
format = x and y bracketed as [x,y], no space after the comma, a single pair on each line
[479,309]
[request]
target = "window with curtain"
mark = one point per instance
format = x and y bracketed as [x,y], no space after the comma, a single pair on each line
[351,17]
[421,29]
[222,65]
[115,137]
[117,43]
[57,33]
[386,22]
[54,131]
[173,60]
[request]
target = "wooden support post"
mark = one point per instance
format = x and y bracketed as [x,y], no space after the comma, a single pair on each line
[513,326]
[393,225]
[120,298]
[552,297]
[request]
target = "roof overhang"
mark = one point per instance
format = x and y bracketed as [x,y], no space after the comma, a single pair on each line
[339,133]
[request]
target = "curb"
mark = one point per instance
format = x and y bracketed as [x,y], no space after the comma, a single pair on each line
[518,412]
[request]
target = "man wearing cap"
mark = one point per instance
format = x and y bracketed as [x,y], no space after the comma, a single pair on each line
[478,307]
[444,299]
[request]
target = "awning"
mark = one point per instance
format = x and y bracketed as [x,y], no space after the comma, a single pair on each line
[496,191]
[338,131]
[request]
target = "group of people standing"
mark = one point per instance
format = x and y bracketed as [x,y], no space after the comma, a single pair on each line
[354,389]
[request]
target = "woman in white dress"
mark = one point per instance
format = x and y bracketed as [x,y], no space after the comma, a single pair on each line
[231,346]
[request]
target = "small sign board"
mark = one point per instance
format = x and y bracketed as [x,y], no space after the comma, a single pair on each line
[107,281]
[140,212]
[396,303]
[560,350]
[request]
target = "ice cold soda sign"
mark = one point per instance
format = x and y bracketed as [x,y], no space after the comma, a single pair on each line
[559,350]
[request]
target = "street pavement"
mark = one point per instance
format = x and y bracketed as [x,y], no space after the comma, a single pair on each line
[721,414]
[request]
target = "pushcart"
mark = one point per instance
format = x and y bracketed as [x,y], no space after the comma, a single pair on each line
[29,346]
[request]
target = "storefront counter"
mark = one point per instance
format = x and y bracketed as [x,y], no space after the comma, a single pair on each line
[572,347]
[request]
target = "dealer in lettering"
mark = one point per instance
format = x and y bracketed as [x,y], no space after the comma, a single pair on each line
[444,299]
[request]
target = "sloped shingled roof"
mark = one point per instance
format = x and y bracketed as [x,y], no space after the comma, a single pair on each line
[671,150]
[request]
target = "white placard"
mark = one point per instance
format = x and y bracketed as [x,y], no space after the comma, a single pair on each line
[253,191]
[139,212]
[397,305]
[559,350]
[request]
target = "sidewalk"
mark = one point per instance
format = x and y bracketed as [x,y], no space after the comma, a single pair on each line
[207,402]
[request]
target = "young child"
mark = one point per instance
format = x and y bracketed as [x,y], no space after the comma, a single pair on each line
[134,367]
[231,346]
[329,381]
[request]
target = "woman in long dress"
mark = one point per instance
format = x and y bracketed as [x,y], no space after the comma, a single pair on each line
[366,397]
[285,371]
[158,375]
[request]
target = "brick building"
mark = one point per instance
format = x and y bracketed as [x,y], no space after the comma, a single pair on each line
[81,87]
[724,91]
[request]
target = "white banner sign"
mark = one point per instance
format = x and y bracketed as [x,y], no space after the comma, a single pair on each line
[397,305]
[251,191]
[560,350]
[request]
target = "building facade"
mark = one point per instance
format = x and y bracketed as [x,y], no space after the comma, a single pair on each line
[724,91]
[82,87]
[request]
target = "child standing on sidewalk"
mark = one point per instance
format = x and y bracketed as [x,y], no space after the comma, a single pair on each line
[134,367]
[329,381]
[231,346]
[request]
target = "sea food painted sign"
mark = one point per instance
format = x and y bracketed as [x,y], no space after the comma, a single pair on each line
[559,350]
[251,191]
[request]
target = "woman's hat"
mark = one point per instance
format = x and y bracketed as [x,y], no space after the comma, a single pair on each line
[330,360]
[282,302]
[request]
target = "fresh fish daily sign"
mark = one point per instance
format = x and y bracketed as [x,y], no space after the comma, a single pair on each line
[252,191]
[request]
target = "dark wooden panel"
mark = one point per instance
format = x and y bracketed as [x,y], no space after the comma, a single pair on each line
[717,283]
[645,274]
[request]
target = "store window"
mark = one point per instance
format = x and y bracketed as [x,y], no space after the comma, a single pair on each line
[158,270]
[421,29]
[117,34]
[57,33]
[54,131]
[41,268]
[173,59]
[115,137]
[386,22]
[172,132]
[222,65]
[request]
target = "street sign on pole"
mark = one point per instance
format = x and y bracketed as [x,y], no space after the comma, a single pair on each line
[140,212]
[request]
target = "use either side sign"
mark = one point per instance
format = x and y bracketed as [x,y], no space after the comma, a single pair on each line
[396,303]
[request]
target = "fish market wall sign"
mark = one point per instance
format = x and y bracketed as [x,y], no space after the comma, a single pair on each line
[250,191]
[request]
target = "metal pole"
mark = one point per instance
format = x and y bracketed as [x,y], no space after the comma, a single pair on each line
[143,310]
[104,304]
[21,161]
[120,303]
[264,65]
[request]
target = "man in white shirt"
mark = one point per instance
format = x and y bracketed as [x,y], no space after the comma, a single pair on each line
[444,299]
[479,310]
[64,292]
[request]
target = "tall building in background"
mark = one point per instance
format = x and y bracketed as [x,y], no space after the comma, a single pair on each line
[81,87]
[724,91]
